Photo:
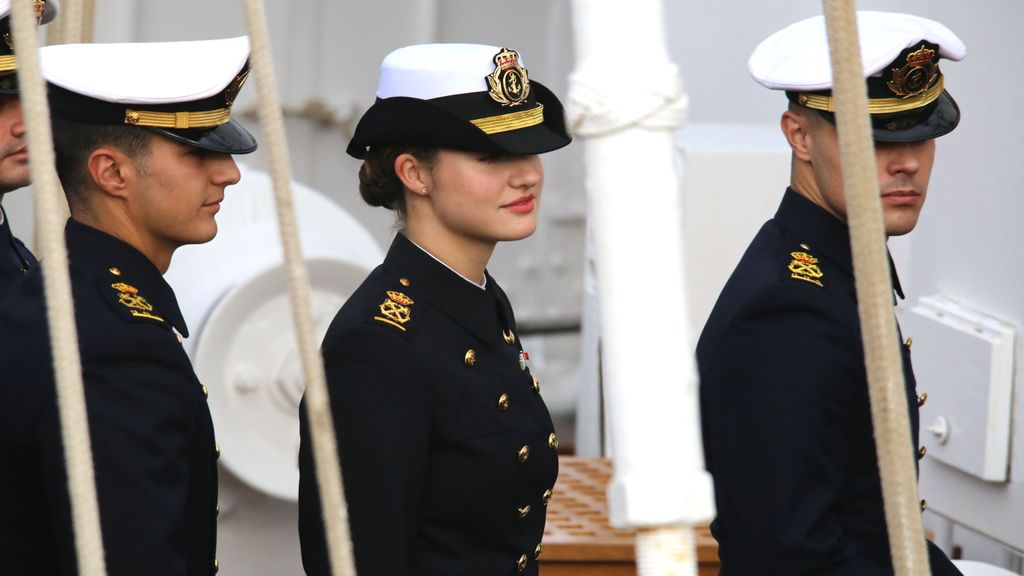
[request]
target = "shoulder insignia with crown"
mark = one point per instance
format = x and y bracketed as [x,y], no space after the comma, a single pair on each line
[395,310]
[804,266]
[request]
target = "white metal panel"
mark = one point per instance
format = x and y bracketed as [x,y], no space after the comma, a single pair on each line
[964,360]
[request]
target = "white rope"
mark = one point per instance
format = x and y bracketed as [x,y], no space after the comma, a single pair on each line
[59,307]
[325,450]
[874,295]
[600,103]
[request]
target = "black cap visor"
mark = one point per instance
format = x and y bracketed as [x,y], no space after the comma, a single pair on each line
[936,119]
[229,138]
[447,123]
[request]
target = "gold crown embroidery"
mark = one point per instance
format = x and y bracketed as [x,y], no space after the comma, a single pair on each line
[395,310]
[128,296]
[805,267]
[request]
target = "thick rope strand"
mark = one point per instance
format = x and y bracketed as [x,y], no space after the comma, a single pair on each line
[874,295]
[325,450]
[59,307]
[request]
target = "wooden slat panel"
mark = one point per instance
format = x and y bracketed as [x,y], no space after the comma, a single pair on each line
[578,538]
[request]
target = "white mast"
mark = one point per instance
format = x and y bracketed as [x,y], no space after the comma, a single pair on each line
[626,100]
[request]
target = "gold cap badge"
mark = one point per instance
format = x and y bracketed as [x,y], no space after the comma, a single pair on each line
[916,76]
[509,84]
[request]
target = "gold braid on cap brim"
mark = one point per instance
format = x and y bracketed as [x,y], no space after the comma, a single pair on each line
[878,105]
[178,120]
[8,63]
[511,121]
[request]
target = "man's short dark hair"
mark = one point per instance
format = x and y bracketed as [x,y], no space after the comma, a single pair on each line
[73,142]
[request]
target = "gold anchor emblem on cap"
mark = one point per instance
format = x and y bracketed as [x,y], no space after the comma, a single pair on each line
[509,84]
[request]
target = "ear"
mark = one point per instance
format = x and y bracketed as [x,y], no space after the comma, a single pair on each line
[797,130]
[414,175]
[111,170]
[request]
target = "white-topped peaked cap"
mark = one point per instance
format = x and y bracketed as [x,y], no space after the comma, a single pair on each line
[907,99]
[797,57]
[460,96]
[183,90]
[428,71]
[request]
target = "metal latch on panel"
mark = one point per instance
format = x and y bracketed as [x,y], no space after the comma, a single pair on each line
[963,359]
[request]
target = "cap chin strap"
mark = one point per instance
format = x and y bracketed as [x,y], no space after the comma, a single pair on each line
[877,105]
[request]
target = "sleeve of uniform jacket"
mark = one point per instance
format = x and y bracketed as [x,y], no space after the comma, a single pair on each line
[779,433]
[142,411]
[381,409]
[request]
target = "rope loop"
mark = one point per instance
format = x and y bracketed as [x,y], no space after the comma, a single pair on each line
[600,104]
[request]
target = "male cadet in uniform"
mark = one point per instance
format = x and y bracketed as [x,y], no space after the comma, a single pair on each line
[787,426]
[15,258]
[143,140]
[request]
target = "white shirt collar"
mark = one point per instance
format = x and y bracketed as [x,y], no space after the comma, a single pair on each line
[482,286]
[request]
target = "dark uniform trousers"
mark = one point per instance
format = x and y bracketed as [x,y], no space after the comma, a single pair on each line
[786,418]
[447,449]
[152,436]
[15,259]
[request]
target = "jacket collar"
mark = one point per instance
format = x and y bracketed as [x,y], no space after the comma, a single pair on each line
[98,254]
[7,249]
[474,309]
[827,235]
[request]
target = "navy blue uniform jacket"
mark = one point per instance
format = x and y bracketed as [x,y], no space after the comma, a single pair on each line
[784,400]
[15,258]
[447,449]
[152,437]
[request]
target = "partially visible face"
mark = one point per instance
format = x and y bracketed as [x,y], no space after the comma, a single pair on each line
[14,168]
[179,193]
[485,197]
[904,170]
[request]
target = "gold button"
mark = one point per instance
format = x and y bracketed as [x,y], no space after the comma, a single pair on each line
[510,336]
[404,282]
[206,392]
[521,565]
[536,385]
[922,399]
[537,551]
[131,117]
[524,453]
[216,449]
[524,511]
[115,271]
[553,441]
[805,246]
[546,497]
[921,452]
[503,402]
[924,505]
[216,566]
[909,342]
[470,358]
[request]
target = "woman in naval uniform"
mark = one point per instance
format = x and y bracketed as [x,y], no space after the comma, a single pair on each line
[447,449]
